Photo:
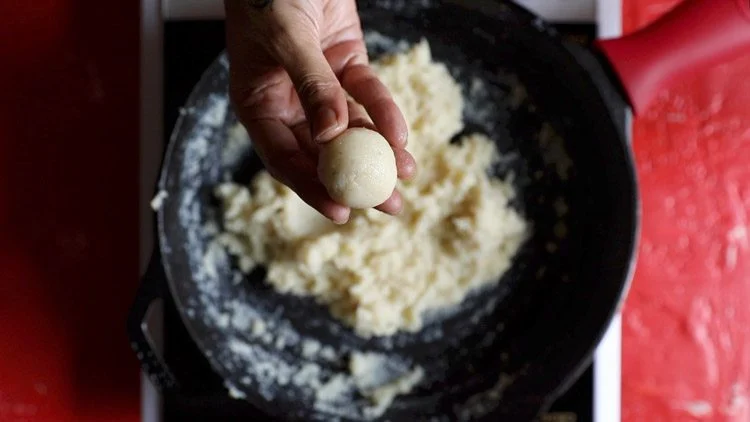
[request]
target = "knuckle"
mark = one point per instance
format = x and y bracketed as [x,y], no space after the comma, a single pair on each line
[357,72]
[357,60]
[290,37]
[316,87]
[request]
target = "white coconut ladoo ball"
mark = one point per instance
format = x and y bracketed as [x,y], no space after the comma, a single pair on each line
[358,168]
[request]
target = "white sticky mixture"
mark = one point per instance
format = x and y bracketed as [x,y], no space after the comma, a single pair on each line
[379,273]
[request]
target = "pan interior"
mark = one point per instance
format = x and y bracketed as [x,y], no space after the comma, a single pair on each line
[506,349]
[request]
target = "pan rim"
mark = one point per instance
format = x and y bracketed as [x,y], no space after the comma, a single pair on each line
[573,375]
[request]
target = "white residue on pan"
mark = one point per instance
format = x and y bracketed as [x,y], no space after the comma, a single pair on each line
[481,404]
[377,377]
[554,152]
[379,42]
[269,353]
[482,105]
[158,201]
[234,392]
[224,61]
[482,108]
[381,379]
[479,104]
[236,146]
[396,5]
[215,111]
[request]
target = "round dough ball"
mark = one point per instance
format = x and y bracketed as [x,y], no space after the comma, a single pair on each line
[358,168]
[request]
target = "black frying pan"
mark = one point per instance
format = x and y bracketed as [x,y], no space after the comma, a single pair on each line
[510,351]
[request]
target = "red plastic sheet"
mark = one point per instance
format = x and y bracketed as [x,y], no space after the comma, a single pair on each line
[686,338]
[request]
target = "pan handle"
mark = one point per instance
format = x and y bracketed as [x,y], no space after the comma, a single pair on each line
[694,36]
[144,325]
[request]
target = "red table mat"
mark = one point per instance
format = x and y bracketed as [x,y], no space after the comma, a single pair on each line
[686,329]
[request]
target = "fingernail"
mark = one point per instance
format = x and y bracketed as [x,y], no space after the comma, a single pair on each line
[326,125]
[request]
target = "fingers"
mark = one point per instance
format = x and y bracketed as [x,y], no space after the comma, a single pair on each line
[406,170]
[392,205]
[405,163]
[304,139]
[349,60]
[364,86]
[319,90]
[304,182]
[271,139]
[278,147]
[358,117]
[280,152]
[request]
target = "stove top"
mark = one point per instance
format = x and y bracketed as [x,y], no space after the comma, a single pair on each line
[186,48]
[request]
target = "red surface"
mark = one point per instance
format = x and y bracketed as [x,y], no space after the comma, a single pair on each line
[683,43]
[68,210]
[686,333]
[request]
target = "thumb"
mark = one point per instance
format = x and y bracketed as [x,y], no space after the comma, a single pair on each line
[319,91]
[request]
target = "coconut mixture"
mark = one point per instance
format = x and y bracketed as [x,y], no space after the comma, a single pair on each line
[378,273]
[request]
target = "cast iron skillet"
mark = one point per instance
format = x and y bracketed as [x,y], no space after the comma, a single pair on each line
[510,350]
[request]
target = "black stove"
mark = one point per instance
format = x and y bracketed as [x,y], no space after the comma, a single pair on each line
[189,48]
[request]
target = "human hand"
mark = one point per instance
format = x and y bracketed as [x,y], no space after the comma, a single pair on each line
[292,63]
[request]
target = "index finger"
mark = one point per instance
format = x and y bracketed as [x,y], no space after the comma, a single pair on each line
[280,152]
[363,85]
